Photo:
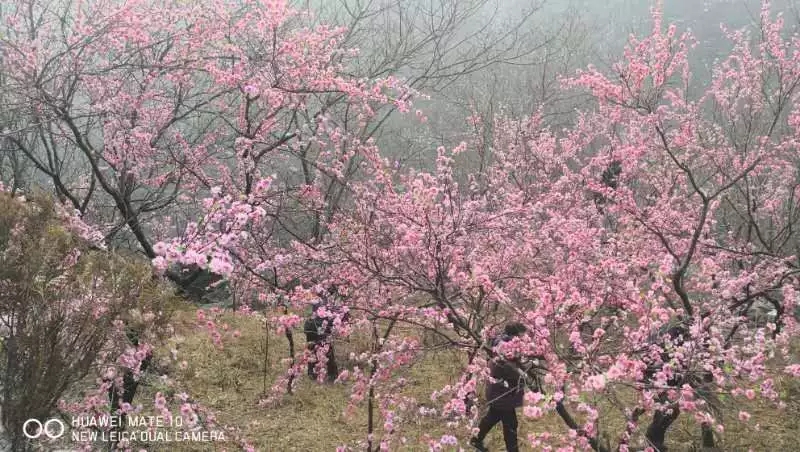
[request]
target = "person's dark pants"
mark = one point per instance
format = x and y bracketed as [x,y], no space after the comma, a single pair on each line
[331,368]
[508,416]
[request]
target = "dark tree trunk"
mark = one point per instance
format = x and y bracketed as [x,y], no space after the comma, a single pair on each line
[290,339]
[130,385]
[707,435]
[662,420]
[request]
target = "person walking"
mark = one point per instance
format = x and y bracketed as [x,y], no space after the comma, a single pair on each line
[504,395]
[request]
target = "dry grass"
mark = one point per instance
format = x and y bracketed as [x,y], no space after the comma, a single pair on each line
[230,382]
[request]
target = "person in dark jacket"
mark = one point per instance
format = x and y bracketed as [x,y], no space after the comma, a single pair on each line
[318,331]
[504,395]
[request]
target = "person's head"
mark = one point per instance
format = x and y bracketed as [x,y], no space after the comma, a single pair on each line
[514,329]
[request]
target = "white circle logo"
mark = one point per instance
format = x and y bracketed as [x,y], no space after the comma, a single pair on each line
[48,428]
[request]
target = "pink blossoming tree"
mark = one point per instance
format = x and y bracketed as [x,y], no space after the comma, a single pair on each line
[141,107]
[638,246]
[650,248]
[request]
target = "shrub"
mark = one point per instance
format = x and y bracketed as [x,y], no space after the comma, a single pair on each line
[68,308]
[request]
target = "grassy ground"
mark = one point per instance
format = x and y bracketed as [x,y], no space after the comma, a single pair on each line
[231,382]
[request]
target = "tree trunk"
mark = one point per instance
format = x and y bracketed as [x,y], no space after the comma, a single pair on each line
[662,420]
